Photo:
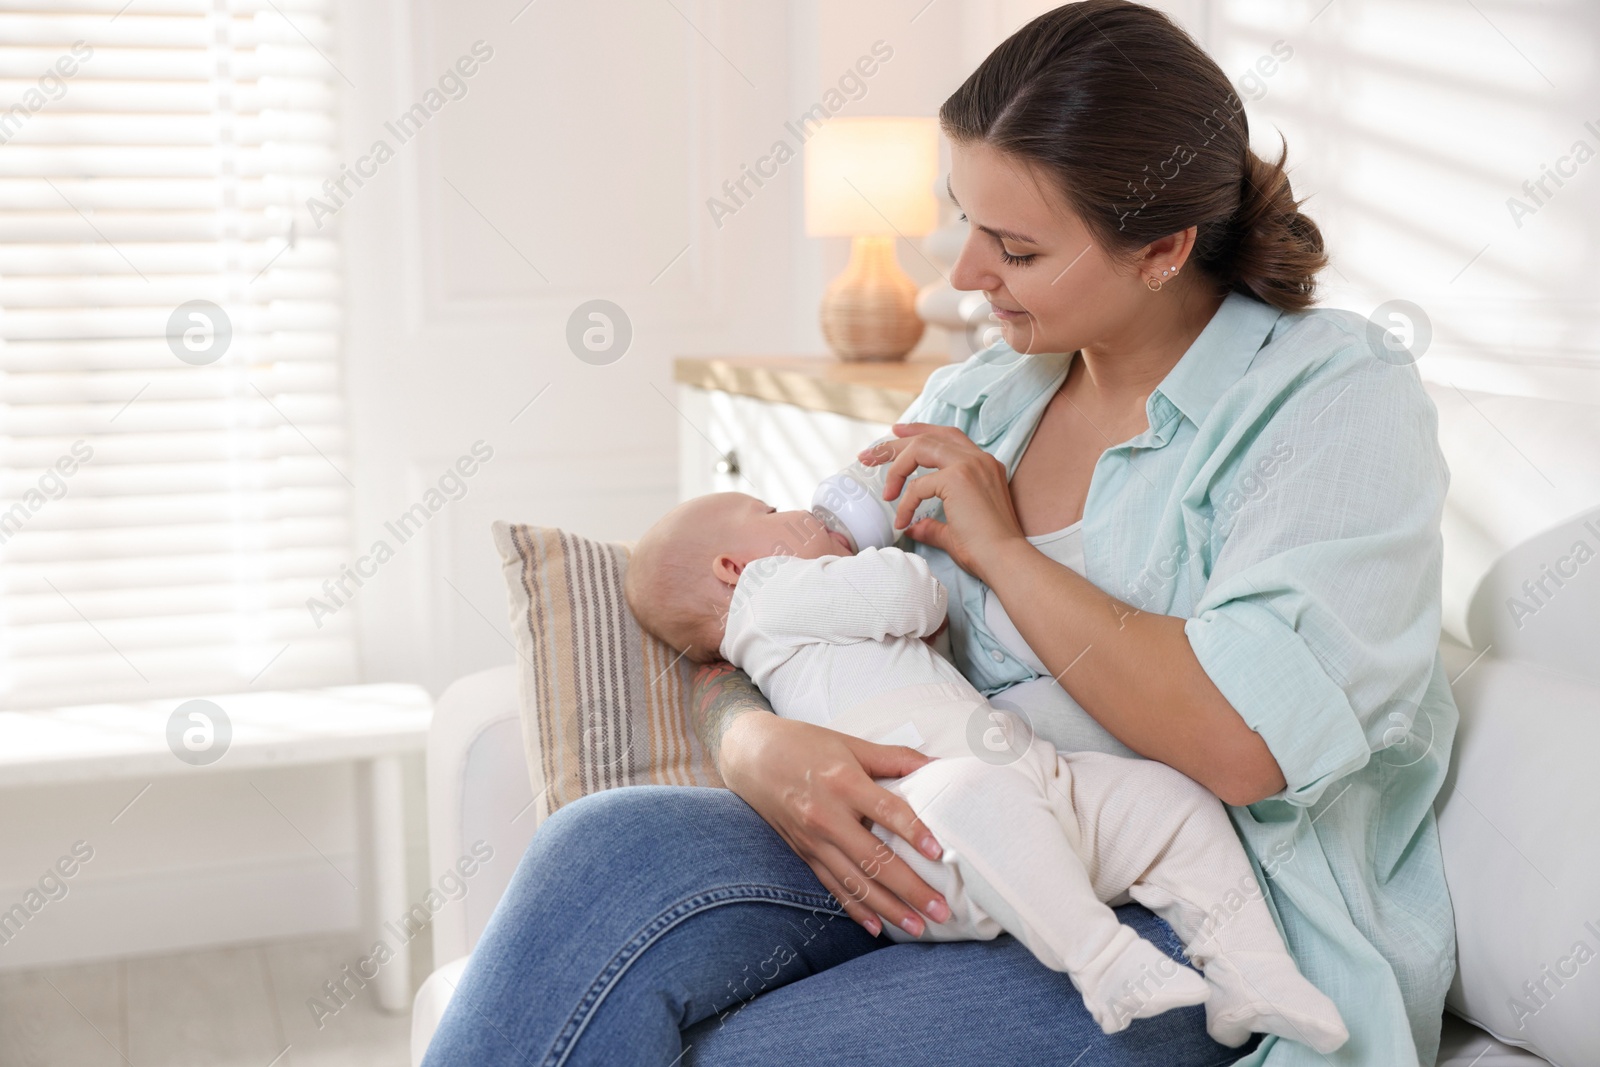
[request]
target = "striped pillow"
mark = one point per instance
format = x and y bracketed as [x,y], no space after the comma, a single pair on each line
[604,704]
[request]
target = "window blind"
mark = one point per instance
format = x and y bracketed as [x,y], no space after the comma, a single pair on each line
[165,512]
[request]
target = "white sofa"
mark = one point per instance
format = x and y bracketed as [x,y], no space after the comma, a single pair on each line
[1525,478]
[478,789]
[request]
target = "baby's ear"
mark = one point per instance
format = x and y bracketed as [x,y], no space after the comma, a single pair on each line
[726,570]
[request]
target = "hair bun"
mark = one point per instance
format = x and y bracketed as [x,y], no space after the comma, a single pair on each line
[1277,250]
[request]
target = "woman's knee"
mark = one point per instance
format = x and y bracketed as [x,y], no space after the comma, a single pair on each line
[598,816]
[635,817]
[659,841]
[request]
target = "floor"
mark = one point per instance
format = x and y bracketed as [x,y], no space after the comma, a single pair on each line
[242,1006]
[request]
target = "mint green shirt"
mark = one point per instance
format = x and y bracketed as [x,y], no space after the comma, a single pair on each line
[1285,501]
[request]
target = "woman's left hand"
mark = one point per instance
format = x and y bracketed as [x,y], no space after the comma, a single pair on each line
[979,517]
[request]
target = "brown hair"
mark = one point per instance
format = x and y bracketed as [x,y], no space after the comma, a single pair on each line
[1145,137]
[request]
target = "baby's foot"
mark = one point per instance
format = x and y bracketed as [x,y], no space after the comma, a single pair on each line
[1132,979]
[1263,992]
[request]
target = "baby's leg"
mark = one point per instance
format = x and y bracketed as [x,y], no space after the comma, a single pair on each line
[1007,834]
[1166,841]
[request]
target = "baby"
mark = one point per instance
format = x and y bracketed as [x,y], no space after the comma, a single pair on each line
[1035,844]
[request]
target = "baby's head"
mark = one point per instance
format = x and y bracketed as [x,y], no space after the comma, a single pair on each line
[682,573]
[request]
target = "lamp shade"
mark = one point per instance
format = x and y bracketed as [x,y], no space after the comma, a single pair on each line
[872,177]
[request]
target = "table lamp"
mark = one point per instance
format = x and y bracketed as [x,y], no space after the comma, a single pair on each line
[872,180]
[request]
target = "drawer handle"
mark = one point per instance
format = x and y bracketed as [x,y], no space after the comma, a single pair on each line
[728,464]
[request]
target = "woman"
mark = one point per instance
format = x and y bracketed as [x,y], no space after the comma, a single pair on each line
[1207,534]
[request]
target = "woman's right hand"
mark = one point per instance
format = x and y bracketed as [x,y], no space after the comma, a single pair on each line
[815,787]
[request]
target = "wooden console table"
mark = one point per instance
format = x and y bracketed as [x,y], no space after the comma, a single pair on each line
[775,426]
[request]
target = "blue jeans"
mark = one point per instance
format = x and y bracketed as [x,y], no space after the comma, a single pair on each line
[660,925]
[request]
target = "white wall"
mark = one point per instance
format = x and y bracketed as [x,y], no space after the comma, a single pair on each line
[1412,124]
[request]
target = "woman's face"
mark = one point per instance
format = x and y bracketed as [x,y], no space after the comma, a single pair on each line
[1052,288]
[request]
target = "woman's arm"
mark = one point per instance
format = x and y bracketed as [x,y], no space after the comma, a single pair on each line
[1135,673]
[815,787]
[721,693]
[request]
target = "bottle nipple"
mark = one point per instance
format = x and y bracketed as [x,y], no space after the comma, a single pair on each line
[833,524]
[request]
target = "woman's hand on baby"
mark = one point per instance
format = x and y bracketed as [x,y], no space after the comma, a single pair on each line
[979,516]
[815,787]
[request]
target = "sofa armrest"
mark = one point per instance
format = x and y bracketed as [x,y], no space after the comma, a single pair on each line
[427,1008]
[1514,812]
[478,791]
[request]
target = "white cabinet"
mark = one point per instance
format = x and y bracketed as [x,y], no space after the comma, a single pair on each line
[775,451]
[775,426]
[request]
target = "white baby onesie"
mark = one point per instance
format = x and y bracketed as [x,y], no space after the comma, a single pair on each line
[1036,844]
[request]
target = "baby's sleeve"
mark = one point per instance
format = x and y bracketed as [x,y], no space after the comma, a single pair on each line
[880,593]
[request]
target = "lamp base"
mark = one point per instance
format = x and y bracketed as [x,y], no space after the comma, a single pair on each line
[869,312]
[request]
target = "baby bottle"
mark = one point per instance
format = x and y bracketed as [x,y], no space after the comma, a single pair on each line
[851,503]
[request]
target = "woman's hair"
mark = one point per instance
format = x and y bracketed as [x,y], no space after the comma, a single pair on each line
[1145,137]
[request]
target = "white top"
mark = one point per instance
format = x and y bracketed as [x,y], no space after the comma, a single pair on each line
[1042,701]
[1065,546]
[819,636]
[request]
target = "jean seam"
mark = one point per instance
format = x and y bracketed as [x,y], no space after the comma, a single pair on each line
[567,1039]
